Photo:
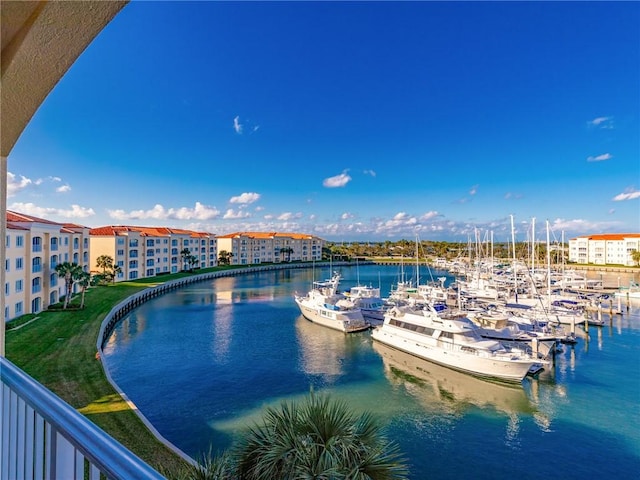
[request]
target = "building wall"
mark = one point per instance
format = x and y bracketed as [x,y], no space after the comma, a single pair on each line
[251,248]
[605,249]
[33,249]
[143,252]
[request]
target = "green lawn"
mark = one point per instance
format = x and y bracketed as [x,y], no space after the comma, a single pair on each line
[58,349]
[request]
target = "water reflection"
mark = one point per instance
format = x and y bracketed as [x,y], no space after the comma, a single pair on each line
[440,388]
[322,350]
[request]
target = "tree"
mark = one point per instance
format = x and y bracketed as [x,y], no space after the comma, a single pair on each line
[115,270]
[319,438]
[224,257]
[84,280]
[70,272]
[192,261]
[185,253]
[635,256]
[288,251]
[105,262]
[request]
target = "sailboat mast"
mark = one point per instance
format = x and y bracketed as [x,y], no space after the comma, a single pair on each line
[515,273]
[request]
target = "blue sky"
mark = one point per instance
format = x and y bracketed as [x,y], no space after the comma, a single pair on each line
[352,121]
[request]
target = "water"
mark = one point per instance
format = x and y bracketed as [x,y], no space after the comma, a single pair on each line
[203,362]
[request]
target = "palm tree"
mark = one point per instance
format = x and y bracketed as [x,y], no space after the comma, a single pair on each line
[84,280]
[288,251]
[70,272]
[115,270]
[105,262]
[318,439]
[224,258]
[185,253]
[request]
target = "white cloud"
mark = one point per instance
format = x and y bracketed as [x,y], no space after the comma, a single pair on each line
[370,172]
[337,181]
[237,126]
[628,194]
[600,158]
[230,214]
[286,216]
[76,211]
[474,190]
[347,216]
[158,212]
[579,226]
[55,179]
[15,185]
[428,216]
[245,198]
[601,122]
[63,189]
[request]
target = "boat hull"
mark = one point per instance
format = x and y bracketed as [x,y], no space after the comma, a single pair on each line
[345,321]
[484,367]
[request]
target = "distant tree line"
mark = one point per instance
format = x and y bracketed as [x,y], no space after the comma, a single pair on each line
[438,249]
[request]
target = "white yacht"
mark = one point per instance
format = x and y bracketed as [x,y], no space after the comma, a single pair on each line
[369,301]
[324,305]
[453,342]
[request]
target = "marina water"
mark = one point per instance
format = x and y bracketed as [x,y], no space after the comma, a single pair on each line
[203,362]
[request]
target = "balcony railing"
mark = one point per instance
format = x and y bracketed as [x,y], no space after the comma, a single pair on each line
[42,437]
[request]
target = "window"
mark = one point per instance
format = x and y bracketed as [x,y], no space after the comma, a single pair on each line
[19,308]
[133,264]
[54,244]
[120,241]
[53,280]
[19,241]
[36,285]
[8,241]
[133,275]
[36,265]
[7,265]
[36,244]
[7,289]
[54,261]
[19,286]
[120,253]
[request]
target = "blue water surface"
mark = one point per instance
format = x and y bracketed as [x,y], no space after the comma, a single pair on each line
[203,362]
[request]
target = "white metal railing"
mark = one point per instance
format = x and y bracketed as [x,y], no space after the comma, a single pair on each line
[44,438]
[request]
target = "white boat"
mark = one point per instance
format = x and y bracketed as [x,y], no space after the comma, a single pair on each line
[453,342]
[632,291]
[369,301]
[325,306]
[497,326]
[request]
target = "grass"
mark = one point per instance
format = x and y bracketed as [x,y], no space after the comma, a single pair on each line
[58,349]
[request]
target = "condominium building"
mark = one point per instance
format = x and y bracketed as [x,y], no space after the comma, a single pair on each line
[605,249]
[149,251]
[34,246]
[250,248]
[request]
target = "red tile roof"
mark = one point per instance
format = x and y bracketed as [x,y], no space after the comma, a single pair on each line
[609,236]
[267,235]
